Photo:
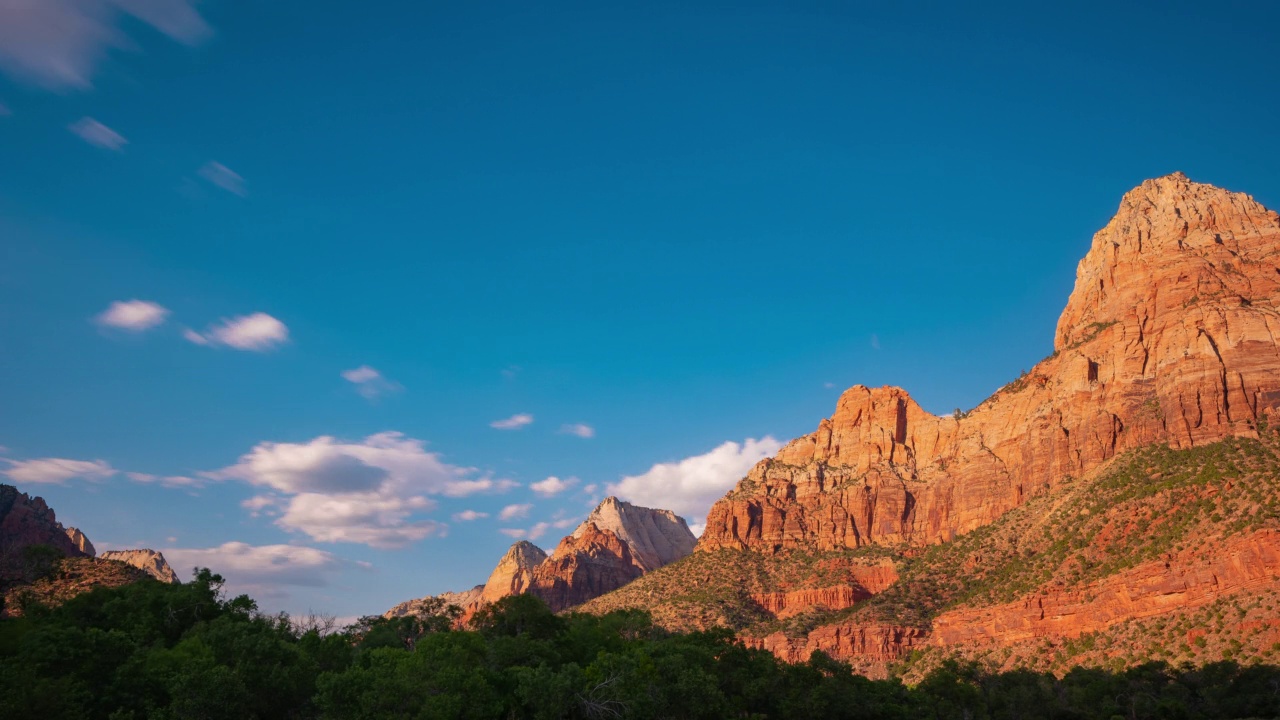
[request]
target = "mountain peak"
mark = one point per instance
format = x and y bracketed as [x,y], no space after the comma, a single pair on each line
[1171,240]
[655,537]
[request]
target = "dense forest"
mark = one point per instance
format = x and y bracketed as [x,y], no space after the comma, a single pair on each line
[152,650]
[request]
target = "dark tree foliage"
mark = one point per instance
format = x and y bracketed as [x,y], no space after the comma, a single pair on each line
[151,650]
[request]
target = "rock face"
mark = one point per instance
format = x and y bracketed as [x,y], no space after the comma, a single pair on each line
[1169,336]
[514,572]
[617,543]
[654,537]
[27,521]
[81,542]
[149,561]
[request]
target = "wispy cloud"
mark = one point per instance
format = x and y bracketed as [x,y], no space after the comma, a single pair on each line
[56,471]
[132,315]
[552,486]
[515,422]
[58,44]
[469,515]
[169,481]
[258,332]
[97,134]
[369,382]
[5,111]
[581,430]
[533,533]
[223,177]
[875,342]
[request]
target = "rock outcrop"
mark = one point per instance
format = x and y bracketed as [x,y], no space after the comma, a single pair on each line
[81,541]
[514,572]
[617,543]
[27,521]
[1169,336]
[151,562]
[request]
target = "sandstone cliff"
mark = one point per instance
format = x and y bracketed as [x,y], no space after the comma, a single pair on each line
[1168,336]
[81,541]
[1113,504]
[151,562]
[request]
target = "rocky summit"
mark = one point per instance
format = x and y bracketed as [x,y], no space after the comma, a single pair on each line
[1165,356]
[151,562]
[617,543]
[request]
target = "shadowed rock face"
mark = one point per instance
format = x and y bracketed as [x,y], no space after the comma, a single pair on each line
[27,521]
[1169,336]
[150,561]
[81,542]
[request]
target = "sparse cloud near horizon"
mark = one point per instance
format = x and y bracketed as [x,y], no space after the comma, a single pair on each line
[258,569]
[95,133]
[372,492]
[581,430]
[515,422]
[132,315]
[56,471]
[258,332]
[690,486]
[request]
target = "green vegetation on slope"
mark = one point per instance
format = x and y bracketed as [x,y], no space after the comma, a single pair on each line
[153,650]
[1141,506]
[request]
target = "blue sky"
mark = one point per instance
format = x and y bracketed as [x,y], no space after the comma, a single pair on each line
[667,233]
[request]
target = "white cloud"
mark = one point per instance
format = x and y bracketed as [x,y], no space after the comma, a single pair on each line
[582,430]
[372,492]
[249,568]
[132,315]
[258,332]
[56,471]
[58,44]
[515,422]
[565,523]
[690,486]
[223,177]
[590,489]
[369,382]
[364,373]
[552,486]
[169,481]
[469,515]
[875,342]
[512,512]
[97,134]
[532,533]
[260,504]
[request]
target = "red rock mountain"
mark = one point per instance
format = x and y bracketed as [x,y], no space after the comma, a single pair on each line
[1118,502]
[617,543]
[1168,337]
